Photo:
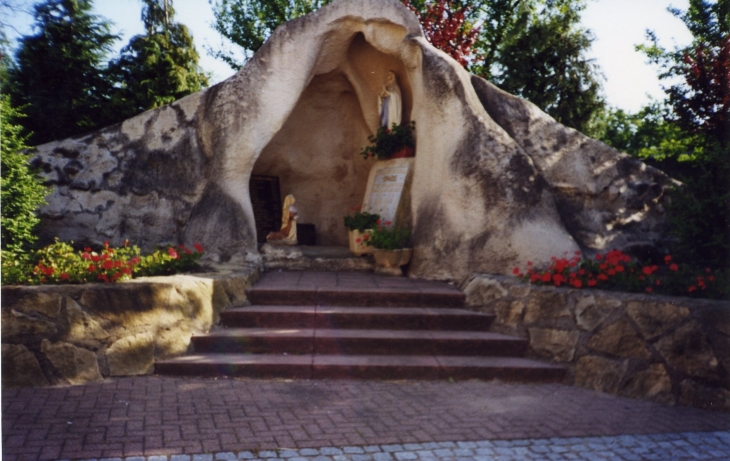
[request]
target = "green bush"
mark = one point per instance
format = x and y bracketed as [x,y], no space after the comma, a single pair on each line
[60,263]
[21,191]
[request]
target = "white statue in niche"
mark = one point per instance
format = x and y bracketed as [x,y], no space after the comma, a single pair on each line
[389,102]
[287,235]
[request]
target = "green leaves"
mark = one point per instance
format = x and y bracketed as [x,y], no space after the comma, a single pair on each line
[21,191]
[248,23]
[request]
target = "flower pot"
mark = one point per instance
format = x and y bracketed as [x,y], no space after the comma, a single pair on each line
[404,153]
[392,259]
[357,242]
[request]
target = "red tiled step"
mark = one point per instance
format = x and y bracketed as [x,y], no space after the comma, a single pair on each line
[362,366]
[383,318]
[441,295]
[352,342]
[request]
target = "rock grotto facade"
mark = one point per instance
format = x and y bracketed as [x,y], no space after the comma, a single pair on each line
[496,181]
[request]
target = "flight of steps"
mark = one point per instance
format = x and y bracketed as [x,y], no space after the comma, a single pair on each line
[408,332]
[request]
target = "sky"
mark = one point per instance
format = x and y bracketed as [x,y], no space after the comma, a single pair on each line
[617,25]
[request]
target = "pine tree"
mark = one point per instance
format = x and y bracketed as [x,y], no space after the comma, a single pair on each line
[58,78]
[158,67]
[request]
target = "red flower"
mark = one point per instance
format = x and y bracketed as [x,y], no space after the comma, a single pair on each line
[171,251]
[692,288]
[388,223]
[602,277]
[667,258]
[674,267]
[619,268]
[529,263]
[534,278]
[198,247]
[546,277]
[658,282]
[378,222]
[592,282]
[611,272]
[707,269]
[108,265]
[577,283]
[86,256]
[711,278]
[647,270]
[64,276]
[87,249]
[648,290]
[358,240]
[516,270]
[599,256]
[92,268]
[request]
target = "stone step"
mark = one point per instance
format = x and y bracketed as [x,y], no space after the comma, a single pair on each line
[442,295]
[381,318]
[358,342]
[309,366]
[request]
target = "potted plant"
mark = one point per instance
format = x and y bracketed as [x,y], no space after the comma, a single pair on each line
[394,142]
[389,243]
[359,226]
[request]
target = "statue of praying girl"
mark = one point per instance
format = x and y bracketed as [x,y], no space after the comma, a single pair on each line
[389,102]
[287,235]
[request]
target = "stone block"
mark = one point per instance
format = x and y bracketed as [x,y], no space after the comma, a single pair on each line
[481,291]
[701,396]
[688,351]
[83,328]
[620,339]
[172,340]
[599,373]
[589,313]
[74,364]
[656,318]
[546,304]
[653,383]
[520,291]
[16,323]
[20,367]
[131,355]
[38,302]
[559,345]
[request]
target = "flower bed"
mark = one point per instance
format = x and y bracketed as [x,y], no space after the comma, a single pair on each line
[617,271]
[60,263]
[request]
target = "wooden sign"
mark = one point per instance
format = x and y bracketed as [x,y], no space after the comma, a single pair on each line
[266,203]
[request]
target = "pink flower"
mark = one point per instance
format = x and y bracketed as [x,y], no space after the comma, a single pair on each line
[173,254]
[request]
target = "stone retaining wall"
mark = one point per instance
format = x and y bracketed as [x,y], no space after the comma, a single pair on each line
[72,334]
[671,350]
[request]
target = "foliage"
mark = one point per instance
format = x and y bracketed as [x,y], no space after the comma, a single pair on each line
[617,271]
[388,237]
[388,141]
[690,140]
[542,59]
[361,220]
[21,190]
[59,78]
[156,68]
[445,26]
[249,23]
[59,263]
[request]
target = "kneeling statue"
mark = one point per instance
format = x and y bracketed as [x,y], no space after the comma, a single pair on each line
[287,235]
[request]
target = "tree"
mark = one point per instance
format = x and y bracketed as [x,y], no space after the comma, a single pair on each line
[537,51]
[21,191]
[59,78]
[692,139]
[248,23]
[445,26]
[156,68]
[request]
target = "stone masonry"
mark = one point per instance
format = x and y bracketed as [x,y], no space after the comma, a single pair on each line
[77,334]
[666,349]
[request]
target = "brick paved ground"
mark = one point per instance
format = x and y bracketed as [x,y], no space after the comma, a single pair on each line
[146,416]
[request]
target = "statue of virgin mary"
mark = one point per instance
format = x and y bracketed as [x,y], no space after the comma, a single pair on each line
[389,102]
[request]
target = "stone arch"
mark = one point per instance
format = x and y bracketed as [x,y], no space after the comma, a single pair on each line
[315,154]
